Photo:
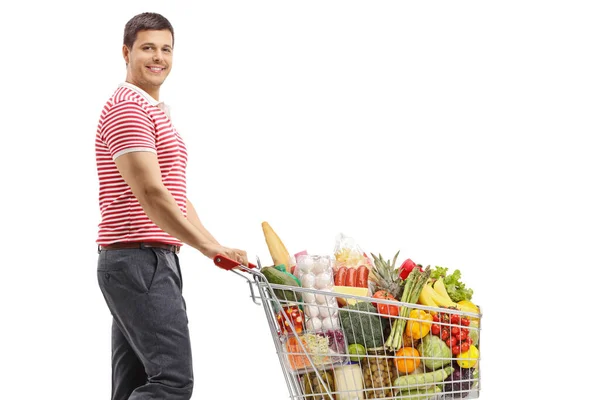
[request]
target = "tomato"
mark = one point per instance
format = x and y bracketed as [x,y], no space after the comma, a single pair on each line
[469,340]
[444,318]
[445,334]
[386,310]
[351,277]
[340,276]
[436,318]
[454,319]
[383,295]
[435,329]
[464,346]
[462,335]
[452,341]
[363,277]
[455,350]
[454,330]
[465,321]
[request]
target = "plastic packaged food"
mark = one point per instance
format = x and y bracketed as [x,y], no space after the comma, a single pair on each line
[313,386]
[295,317]
[309,347]
[379,373]
[316,272]
[349,382]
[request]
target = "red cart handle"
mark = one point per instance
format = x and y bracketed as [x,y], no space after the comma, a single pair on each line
[227,263]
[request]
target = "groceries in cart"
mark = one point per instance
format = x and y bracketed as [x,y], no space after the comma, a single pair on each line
[316,272]
[350,326]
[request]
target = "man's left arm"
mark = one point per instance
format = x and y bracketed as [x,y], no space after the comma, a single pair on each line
[192,216]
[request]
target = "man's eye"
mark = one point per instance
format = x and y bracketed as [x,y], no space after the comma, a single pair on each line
[167,50]
[147,48]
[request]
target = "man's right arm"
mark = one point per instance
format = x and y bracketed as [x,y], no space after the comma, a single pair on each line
[125,126]
[141,172]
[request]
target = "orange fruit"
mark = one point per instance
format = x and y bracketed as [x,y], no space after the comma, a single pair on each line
[407,359]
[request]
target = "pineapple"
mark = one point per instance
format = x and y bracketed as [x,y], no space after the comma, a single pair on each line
[385,276]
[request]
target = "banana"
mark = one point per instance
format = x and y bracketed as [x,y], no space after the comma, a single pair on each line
[441,301]
[425,298]
[440,288]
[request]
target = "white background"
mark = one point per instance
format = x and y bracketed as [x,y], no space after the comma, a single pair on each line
[461,133]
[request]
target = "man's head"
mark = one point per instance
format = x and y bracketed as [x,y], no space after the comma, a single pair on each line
[148,51]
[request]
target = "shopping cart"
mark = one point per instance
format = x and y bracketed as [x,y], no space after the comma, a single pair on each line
[346,355]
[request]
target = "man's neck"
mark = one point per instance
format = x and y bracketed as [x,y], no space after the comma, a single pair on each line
[153,92]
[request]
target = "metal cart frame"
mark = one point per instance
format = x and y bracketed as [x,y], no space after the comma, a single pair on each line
[311,360]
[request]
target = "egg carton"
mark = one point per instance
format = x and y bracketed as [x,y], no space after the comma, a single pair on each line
[316,272]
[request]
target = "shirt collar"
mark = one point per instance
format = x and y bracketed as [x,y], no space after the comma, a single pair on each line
[151,100]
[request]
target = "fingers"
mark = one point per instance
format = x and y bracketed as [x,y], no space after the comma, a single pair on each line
[241,256]
[237,255]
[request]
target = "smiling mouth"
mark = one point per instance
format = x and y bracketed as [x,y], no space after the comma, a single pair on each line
[156,70]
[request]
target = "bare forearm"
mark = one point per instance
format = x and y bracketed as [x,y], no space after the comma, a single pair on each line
[192,216]
[162,209]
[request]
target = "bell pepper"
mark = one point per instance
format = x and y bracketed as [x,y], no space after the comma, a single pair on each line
[419,324]
[469,358]
[407,266]
[296,317]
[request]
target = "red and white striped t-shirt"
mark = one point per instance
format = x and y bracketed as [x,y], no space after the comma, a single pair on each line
[130,121]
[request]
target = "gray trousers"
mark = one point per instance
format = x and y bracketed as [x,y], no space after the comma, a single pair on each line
[151,351]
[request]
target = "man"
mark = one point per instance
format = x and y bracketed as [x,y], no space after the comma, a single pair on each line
[145,218]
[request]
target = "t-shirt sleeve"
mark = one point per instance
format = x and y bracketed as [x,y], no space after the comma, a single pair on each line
[126,128]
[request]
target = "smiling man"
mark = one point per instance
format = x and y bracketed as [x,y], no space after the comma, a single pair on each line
[146,217]
[148,57]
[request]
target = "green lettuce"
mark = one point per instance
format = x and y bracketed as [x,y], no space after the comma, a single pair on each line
[435,352]
[455,288]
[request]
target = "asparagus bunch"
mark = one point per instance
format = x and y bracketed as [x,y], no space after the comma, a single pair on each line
[412,289]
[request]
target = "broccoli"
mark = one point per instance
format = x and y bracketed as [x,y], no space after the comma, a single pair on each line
[362,327]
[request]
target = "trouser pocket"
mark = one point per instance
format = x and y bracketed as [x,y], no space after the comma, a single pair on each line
[128,270]
[149,270]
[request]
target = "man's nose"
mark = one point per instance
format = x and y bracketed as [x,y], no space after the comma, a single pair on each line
[158,56]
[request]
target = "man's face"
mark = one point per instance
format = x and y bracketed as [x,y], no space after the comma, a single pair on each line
[149,60]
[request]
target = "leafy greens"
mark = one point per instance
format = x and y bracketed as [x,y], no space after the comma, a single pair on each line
[456,289]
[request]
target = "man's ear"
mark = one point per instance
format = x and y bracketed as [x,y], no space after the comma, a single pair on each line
[126,54]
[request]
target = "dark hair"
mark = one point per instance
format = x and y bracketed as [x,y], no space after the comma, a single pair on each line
[144,22]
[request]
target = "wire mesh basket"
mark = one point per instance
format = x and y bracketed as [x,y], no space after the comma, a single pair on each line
[339,346]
